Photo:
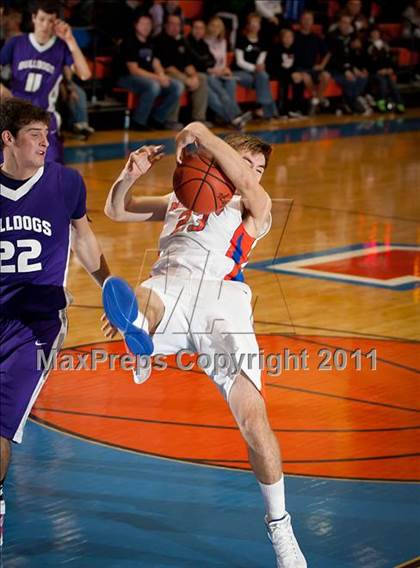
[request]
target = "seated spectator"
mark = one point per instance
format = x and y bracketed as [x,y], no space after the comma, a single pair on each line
[311,59]
[142,72]
[271,14]
[160,10]
[381,68]
[221,85]
[124,15]
[73,96]
[359,21]
[340,65]
[411,23]
[281,64]
[171,49]
[250,55]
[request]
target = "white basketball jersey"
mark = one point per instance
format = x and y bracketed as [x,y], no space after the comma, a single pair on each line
[214,246]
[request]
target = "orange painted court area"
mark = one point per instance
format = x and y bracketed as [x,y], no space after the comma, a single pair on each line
[356,423]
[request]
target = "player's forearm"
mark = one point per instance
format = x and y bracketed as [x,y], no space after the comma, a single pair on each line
[227,158]
[81,66]
[122,206]
[89,254]
[119,195]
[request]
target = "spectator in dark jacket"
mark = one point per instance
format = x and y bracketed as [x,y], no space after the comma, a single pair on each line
[381,68]
[341,63]
[281,64]
[250,55]
[222,101]
[142,72]
[311,59]
[172,50]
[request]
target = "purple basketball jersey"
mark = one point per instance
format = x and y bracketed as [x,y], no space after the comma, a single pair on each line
[35,221]
[36,70]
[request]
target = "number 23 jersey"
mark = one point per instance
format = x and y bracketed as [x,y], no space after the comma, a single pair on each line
[214,246]
[35,225]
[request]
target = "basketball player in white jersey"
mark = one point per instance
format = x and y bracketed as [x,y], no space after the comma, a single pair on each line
[197,299]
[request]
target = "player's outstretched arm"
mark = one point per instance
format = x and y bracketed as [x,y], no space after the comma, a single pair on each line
[121,205]
[81,67]
[87,249]
[256,200]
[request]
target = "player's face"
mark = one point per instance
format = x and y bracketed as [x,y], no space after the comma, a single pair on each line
[30,144]
[256,163]
[43,25]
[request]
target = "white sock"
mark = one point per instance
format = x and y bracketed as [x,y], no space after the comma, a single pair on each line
[274,500]
[141,322]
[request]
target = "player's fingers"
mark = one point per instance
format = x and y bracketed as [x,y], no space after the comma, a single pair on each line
[157,157]
[179,150]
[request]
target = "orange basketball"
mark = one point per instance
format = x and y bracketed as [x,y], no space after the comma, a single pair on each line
[200,185]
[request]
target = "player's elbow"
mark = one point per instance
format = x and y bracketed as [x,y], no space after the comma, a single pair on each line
[112,213]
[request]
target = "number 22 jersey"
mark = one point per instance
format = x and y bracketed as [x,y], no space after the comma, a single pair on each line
[35,225]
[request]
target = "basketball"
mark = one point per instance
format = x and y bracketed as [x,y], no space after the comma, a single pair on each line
[200,185]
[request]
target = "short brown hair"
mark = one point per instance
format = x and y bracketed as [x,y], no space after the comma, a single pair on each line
[15,114]
[249,143]
[47,6]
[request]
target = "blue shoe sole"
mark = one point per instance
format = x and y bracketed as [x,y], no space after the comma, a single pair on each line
[120,305]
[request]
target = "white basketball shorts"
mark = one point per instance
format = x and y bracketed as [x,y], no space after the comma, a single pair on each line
[213,319]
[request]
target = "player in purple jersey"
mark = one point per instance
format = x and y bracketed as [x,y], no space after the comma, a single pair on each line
[41,204]
[36,63]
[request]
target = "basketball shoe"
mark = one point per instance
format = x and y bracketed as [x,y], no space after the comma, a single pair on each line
[286,548]
[121,309]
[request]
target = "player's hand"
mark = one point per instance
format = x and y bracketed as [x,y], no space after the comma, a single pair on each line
[140,161]
[63,31]
[107,328]
[184,138]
